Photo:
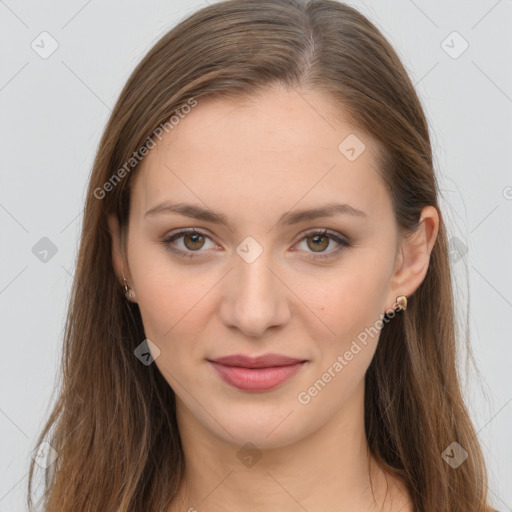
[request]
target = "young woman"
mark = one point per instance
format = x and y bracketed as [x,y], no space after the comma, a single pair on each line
[262,315]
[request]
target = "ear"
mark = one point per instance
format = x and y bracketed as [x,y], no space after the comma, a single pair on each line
[118,257]
[414,257]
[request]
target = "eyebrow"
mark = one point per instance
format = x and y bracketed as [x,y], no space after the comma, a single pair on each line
[288,218]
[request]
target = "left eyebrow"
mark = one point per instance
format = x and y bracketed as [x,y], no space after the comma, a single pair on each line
[328,210]
[289,218]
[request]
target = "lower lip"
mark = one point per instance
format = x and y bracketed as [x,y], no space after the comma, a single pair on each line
[256,379]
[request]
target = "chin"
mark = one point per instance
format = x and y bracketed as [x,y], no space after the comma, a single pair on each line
[276,429]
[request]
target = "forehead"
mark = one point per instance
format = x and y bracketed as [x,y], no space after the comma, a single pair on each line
[281,146]
[275,121]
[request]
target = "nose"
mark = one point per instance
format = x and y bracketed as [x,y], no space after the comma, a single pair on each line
[255,297]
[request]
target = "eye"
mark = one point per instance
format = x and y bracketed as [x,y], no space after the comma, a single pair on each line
[319,240]
[194,240]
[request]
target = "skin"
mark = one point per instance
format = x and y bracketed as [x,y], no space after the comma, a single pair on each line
[254,161]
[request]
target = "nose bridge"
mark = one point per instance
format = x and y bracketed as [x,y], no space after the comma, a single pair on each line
[257,299]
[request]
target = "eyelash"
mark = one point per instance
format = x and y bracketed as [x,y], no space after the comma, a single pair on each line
[318,256]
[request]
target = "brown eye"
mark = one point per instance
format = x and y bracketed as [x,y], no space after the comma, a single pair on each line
[193,241]
[190,242]
[318,242]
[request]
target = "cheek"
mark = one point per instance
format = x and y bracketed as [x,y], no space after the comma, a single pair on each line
[171,310]
[173,320]
[353,298]
[350,304]
[168,295]
[351,307]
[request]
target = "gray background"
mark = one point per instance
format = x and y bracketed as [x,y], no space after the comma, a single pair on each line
[54,110]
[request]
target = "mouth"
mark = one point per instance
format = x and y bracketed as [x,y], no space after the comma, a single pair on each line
[263,361]
[256,374]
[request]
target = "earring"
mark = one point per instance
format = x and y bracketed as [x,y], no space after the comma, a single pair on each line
[127,291]
[402,303]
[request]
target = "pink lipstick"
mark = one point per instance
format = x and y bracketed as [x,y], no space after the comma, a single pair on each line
[256,373]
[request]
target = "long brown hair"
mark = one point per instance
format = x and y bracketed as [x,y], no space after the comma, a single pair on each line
[113,425]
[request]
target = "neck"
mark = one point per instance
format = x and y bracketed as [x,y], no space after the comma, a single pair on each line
[329,469]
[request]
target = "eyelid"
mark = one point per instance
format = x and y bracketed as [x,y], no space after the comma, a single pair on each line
[323,231]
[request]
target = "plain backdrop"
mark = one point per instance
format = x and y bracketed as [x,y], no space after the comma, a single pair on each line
[54,109]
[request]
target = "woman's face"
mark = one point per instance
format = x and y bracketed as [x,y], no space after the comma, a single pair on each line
[268,280]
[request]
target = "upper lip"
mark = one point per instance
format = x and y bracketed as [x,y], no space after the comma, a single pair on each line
[264,361]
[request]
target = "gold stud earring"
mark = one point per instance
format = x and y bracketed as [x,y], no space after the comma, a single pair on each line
[402,303]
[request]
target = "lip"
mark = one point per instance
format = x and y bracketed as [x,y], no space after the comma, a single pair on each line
[257,374]
[264,361]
